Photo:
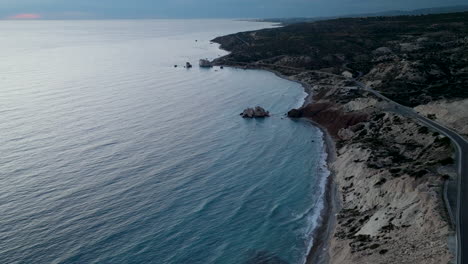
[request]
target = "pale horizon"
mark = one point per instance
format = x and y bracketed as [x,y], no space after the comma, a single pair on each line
[206,9]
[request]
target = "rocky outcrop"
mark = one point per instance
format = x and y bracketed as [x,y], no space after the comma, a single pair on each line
[295,113]
[390,191]
[204,63]
[389,169]
[256,112]
[386,171]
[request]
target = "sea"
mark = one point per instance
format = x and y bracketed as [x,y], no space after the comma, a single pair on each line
[111,154]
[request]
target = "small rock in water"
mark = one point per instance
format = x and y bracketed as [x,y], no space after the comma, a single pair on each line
[255,112]
[188,65]
[175,66]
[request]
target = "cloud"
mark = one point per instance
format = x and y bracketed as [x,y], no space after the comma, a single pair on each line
[25,16]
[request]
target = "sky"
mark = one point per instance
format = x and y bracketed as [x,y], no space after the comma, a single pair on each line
[108,9]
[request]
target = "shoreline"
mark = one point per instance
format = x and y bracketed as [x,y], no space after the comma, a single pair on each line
[307,88]
[322,234]
[381,200]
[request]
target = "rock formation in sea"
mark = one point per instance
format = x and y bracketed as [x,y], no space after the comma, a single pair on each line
[390,170]
[295,113]
[255,112]
[204,63]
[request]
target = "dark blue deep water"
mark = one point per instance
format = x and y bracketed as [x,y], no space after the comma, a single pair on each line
[109,154]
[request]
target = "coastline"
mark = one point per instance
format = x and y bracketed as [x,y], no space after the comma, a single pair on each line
[307,88]
[387,174]
[333,239]
[322,234]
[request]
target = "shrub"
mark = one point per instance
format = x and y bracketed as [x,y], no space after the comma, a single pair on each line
[423,130]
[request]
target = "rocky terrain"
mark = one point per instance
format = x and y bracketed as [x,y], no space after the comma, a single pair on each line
[414,60]
[389,170]
[256,112]
[452,114]
[387,173]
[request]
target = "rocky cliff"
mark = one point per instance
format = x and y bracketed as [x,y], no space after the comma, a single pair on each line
[389,170]
[387,173]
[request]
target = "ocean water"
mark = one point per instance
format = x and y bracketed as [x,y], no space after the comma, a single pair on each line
[110,154]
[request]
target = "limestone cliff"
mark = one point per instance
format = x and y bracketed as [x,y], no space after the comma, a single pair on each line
[389,169]
[386,171]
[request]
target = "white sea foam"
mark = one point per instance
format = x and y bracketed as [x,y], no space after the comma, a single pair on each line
[315,219]
[301,100]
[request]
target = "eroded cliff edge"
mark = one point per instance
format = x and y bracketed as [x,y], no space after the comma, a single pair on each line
[389,169]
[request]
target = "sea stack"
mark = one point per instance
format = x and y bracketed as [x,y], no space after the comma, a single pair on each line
[257,112]
[204,63]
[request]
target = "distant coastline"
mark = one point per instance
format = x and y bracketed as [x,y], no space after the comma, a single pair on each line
[415,12]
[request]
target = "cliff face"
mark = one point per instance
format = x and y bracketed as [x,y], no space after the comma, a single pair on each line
[389,186]
[392,206]
[389,169]
[386,217]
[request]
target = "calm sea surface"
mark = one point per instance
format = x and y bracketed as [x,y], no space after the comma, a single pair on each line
[109,154]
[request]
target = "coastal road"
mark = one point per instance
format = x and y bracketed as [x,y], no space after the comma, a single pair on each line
[461,144]
[461,218]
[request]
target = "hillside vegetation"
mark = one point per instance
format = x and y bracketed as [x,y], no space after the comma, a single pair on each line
[413,60]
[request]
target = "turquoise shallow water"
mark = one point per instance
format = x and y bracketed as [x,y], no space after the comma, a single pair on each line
[109,154]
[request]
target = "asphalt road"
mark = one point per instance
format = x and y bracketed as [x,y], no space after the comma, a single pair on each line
[461,218]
